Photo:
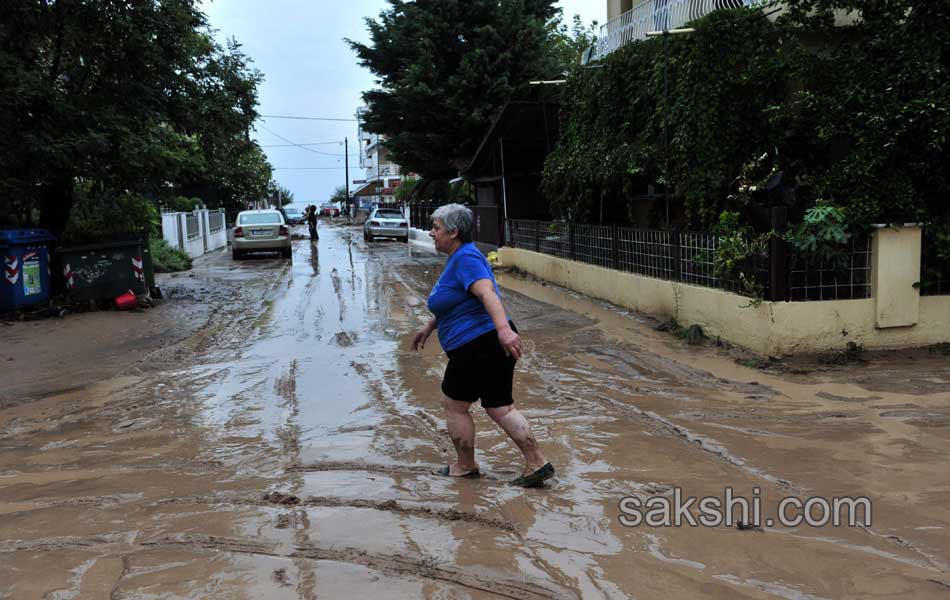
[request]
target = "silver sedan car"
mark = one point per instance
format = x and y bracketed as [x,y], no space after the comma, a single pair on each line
[260,231]
[386,222]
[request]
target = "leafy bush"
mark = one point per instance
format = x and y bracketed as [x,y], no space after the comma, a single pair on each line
[823,235]
[737,247]
[166,259]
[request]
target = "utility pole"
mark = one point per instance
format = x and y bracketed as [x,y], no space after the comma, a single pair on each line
[379,179]
[346,154]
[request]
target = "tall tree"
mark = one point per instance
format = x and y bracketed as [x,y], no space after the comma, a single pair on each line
[278,195]
[445,67]
[112,102]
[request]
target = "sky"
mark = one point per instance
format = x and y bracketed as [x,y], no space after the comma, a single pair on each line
[309,71]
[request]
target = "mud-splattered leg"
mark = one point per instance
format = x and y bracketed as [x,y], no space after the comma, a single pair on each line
[517,428]
[462,431]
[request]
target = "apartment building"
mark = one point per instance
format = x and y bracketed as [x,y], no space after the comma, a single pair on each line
[380,175]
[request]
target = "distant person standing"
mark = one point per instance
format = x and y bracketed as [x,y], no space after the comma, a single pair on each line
[311,216]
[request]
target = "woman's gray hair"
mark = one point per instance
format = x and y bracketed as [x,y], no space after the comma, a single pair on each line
[456,217]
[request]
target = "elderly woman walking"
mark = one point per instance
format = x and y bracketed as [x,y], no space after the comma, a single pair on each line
[482,345]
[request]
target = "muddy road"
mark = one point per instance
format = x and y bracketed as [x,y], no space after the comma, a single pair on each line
[282,443]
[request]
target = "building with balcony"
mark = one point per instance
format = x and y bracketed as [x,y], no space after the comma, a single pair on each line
[381,176]
[630,20]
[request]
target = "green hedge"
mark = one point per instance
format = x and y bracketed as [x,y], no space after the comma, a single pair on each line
[166,259]
[854,116]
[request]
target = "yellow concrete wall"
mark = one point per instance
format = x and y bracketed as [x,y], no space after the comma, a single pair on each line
[772,328]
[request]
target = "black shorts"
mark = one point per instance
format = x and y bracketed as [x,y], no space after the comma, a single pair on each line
[480,369]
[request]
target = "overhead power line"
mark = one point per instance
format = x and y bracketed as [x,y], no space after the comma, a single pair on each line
[307,144]
[305,118]
[302,146]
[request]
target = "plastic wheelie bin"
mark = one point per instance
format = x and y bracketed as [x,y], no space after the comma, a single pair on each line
[26,269]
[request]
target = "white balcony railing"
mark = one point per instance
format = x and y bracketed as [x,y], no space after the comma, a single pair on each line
[656,15]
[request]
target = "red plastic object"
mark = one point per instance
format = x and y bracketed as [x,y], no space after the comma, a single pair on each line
[126,301]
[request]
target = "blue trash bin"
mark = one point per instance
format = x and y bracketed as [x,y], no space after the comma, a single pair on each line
[26,267]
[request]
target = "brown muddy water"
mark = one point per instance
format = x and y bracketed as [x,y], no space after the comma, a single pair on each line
[281,445]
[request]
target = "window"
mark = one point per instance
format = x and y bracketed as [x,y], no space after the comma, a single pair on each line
[261,219]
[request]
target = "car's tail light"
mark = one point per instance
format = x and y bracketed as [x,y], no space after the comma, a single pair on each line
[404,224]
[283,230]
[238,232]
[374,223]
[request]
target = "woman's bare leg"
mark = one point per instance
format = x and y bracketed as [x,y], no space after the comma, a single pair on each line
[517,428]
[462,431]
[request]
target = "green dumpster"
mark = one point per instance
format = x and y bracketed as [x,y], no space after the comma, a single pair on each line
[106,270]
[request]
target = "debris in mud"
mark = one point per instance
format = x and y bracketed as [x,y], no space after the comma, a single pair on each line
[851,354]
[837,398]
[283,521]
[693,335]
[771,365]
[344,339]
[943,348]
[283,499]
[280,575]
[745,526]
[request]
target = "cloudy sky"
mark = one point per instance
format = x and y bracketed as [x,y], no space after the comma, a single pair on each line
[310,72]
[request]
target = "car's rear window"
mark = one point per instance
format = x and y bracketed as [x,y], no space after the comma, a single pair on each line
[261,219]
[292,211]
[389,214]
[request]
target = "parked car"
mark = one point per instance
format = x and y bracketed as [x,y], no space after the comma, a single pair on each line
[260,231]
[293,215]
[386,222]
[330,210]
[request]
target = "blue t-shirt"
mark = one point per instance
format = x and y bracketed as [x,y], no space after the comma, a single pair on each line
[460,316]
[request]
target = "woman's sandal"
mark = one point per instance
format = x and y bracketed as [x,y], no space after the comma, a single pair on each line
[446,471]
[537,478]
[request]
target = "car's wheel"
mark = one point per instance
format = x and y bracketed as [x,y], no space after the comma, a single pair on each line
[236,254]
[405,240]
[287,252]
[369,237]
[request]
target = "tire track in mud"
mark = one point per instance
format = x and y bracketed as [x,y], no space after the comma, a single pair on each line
[705,444]
[382,394]
[664,426]
[277,500]
[391,564]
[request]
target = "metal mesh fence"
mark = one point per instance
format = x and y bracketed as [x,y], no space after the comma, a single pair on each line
[934,271]
[847,278]
[690,257]
[593,244]
[645,251]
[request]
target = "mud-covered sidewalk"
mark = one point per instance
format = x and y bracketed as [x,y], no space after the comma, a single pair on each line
[266,433]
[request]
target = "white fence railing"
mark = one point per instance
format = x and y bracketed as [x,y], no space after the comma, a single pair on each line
[195,232]
[216,220]
[657,15]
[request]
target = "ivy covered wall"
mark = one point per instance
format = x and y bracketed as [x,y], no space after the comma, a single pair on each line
[765,112]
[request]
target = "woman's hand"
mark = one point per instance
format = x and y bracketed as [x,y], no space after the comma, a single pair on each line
[510,341]
[419,340]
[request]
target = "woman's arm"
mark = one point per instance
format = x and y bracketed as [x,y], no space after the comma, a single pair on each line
[484,290]
[419,341]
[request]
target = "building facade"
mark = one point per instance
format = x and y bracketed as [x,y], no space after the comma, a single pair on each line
[380,175]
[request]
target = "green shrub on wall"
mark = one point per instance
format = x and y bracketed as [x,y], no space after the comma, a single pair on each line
[856,115]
